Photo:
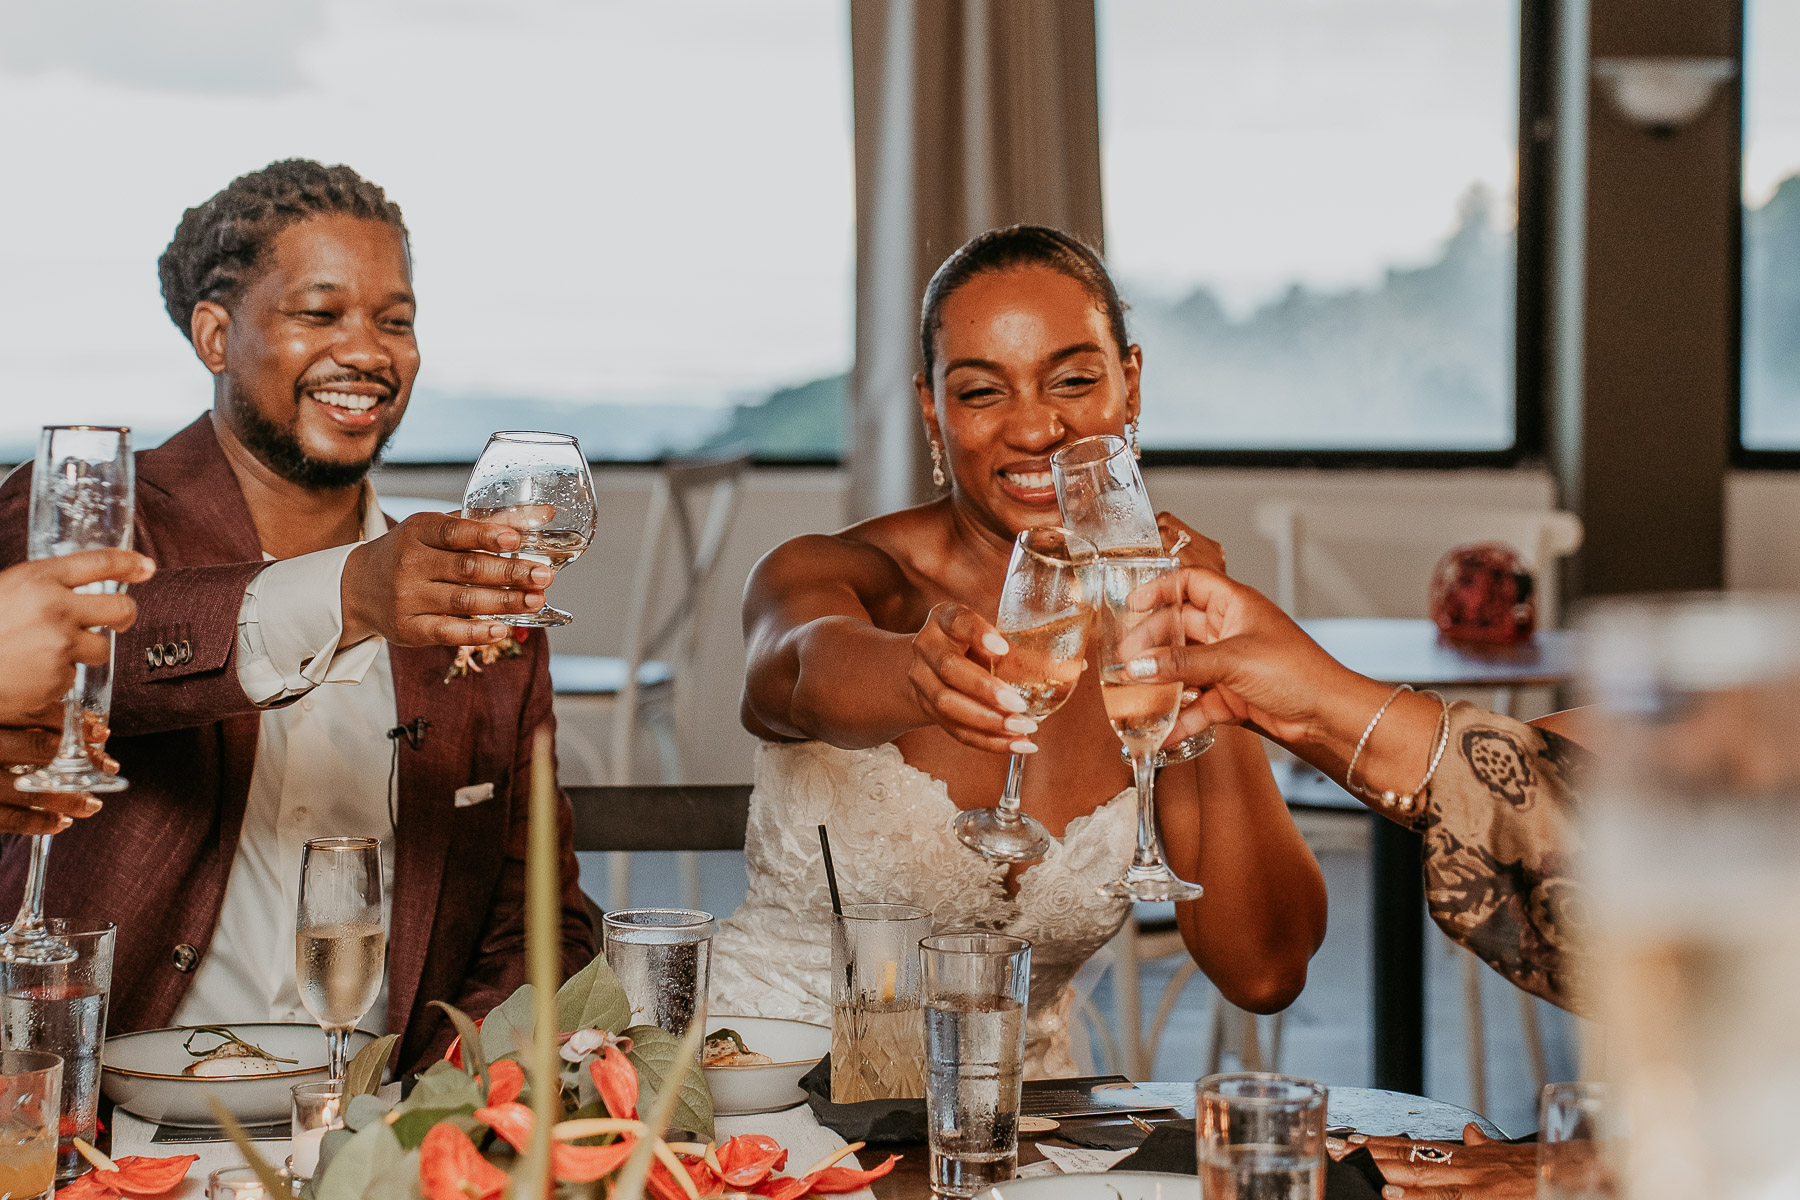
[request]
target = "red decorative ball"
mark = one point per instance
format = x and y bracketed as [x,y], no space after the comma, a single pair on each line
[1483,593]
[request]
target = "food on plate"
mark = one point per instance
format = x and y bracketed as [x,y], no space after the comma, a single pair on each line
[726,1048]
[232,1058]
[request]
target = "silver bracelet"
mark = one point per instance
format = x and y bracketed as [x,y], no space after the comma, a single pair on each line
[1441,742]
[1350,784]
[1182,751]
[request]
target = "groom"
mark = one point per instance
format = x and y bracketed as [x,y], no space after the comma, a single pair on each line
[290,674]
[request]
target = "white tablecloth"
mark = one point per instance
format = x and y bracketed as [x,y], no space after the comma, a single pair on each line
[806,1140]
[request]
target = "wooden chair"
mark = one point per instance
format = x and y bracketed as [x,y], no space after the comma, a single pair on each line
[695,501]
[625,819]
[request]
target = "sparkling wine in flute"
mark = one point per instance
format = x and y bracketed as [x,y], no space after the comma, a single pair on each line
[339,968]
[1044,664]
[1142,714]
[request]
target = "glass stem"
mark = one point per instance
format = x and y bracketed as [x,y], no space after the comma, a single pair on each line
[337,1042]
[1149,850]
[1009,799]
[71,753]
[28,926]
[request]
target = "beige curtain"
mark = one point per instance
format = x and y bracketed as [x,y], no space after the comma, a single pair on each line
[970,114]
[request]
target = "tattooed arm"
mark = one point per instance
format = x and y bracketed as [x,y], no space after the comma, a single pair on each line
[1497,817]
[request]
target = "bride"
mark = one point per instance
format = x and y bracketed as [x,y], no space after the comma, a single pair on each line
[869,685]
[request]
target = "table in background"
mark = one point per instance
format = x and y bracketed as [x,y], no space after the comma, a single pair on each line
[1369,1110]
[1412,651]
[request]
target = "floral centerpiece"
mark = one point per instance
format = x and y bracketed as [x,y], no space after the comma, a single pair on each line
[554,1093]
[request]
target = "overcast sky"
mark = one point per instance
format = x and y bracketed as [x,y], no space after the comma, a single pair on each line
[618,198]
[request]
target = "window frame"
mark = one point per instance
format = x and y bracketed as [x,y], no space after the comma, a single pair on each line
[1738,455]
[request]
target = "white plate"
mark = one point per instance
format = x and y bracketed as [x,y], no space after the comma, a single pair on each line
[1110,1185]
[141,1073]
[796,1047]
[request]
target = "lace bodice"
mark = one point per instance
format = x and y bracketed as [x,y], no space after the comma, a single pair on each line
[889,824]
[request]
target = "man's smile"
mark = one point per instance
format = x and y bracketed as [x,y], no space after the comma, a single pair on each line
[352,407]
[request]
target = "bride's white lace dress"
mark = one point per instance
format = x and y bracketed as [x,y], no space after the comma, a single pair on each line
[891,842]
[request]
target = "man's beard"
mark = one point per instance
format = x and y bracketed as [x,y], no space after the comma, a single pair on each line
[280,451]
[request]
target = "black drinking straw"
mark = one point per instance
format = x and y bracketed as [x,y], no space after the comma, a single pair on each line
[837,905]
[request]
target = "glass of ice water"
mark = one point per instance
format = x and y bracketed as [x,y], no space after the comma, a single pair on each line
[60,1008]
[663,958]
[976,985]
[877,1032]
[30,1093]
[1260,1136]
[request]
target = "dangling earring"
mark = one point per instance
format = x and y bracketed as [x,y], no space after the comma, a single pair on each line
[1131,436]
[937,463]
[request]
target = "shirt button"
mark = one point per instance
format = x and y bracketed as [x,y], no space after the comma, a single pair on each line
[186,958]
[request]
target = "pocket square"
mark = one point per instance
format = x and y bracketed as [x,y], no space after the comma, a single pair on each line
[475,793]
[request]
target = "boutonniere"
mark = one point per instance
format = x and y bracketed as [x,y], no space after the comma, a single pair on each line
[471,659]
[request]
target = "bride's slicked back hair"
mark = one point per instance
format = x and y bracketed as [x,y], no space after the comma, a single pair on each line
[1008,249]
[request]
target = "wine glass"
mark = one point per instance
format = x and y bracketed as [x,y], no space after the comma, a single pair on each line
[1102,497]
[1045,612]
[1134,620]
[340,942]
[539,484]
[81,499]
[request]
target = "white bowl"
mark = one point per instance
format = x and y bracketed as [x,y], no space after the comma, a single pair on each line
[1110,1185]
[796,1047]
[141,1073]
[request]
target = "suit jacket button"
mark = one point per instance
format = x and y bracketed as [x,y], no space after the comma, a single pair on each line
[153,656]
[187,653]
[186,958]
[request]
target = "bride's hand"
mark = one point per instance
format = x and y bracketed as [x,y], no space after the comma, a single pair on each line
[953,683]
[1200,551]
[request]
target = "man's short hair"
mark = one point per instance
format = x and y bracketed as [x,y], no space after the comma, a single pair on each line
[218,244]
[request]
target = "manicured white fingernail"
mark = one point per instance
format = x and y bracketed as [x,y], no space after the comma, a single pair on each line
[1141,668]
[1392,1192]
[994,643]
[1358,1138]
[1024,747]
[1020,725]
[1010,700]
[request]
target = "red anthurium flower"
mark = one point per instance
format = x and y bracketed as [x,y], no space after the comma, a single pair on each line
[451,1168]
[617,1080]
[511,1120]
[748,1159]
[453,1055]
[836,1180]
[584,1164]
[662,1185]
[781,1187]
[134,1176]
[506,1079]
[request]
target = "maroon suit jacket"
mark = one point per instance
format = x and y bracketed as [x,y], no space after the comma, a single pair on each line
[155,860]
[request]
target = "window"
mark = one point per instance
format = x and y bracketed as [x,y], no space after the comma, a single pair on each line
[1771,316]
[630,221]
[1310,209]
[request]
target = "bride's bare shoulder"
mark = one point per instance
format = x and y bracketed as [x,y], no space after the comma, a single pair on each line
[889,553]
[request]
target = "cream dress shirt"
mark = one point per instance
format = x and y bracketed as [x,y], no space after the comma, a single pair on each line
[322,767]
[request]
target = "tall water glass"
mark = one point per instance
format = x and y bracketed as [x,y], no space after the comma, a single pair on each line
[539,484]
[663,958]
[1260,1136]
[82,498]
[60,1008]
[1046,609]
[30,1100]
[976,987]
[1136,618]
[877,1032]
[1690,853]
[340,943]
[1575,1143]
[1102,496]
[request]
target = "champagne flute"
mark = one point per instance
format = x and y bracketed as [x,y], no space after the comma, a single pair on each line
[1045,612]
[340,946]
[1134,620]
[1102,496]
[81,499]
[539,484]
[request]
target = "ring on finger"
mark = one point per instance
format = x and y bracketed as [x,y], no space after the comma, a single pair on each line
[1425,1153]
[1189,695]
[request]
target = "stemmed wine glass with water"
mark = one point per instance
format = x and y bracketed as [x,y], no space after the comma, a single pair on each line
[82,491]
[1046,609]
[340,951]
[539,484]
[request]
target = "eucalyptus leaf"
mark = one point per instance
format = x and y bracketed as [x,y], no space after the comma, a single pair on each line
[445,1085]
[351,1175]
[474,1053]
[270,1177]
[656,1054]
[593,998]
[398,1182]
[363,1075]
[364,1110]
[412,1126]
[506,1031]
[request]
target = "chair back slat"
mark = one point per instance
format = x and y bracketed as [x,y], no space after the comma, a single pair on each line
[660,816]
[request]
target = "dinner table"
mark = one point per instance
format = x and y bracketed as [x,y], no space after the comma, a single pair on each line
[1413,651]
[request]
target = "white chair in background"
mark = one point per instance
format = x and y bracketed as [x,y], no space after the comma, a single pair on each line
[695,500]
[1312,581]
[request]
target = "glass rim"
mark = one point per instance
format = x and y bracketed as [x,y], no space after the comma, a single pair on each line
[342,843]
[1115,445]
[59,926]
[1010,943]
[1306,1093]
[534,436]
[1068,535]
[916,913]
[46,1062]
[1167,561]
[695,918]
[324,1087]
[85,428]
